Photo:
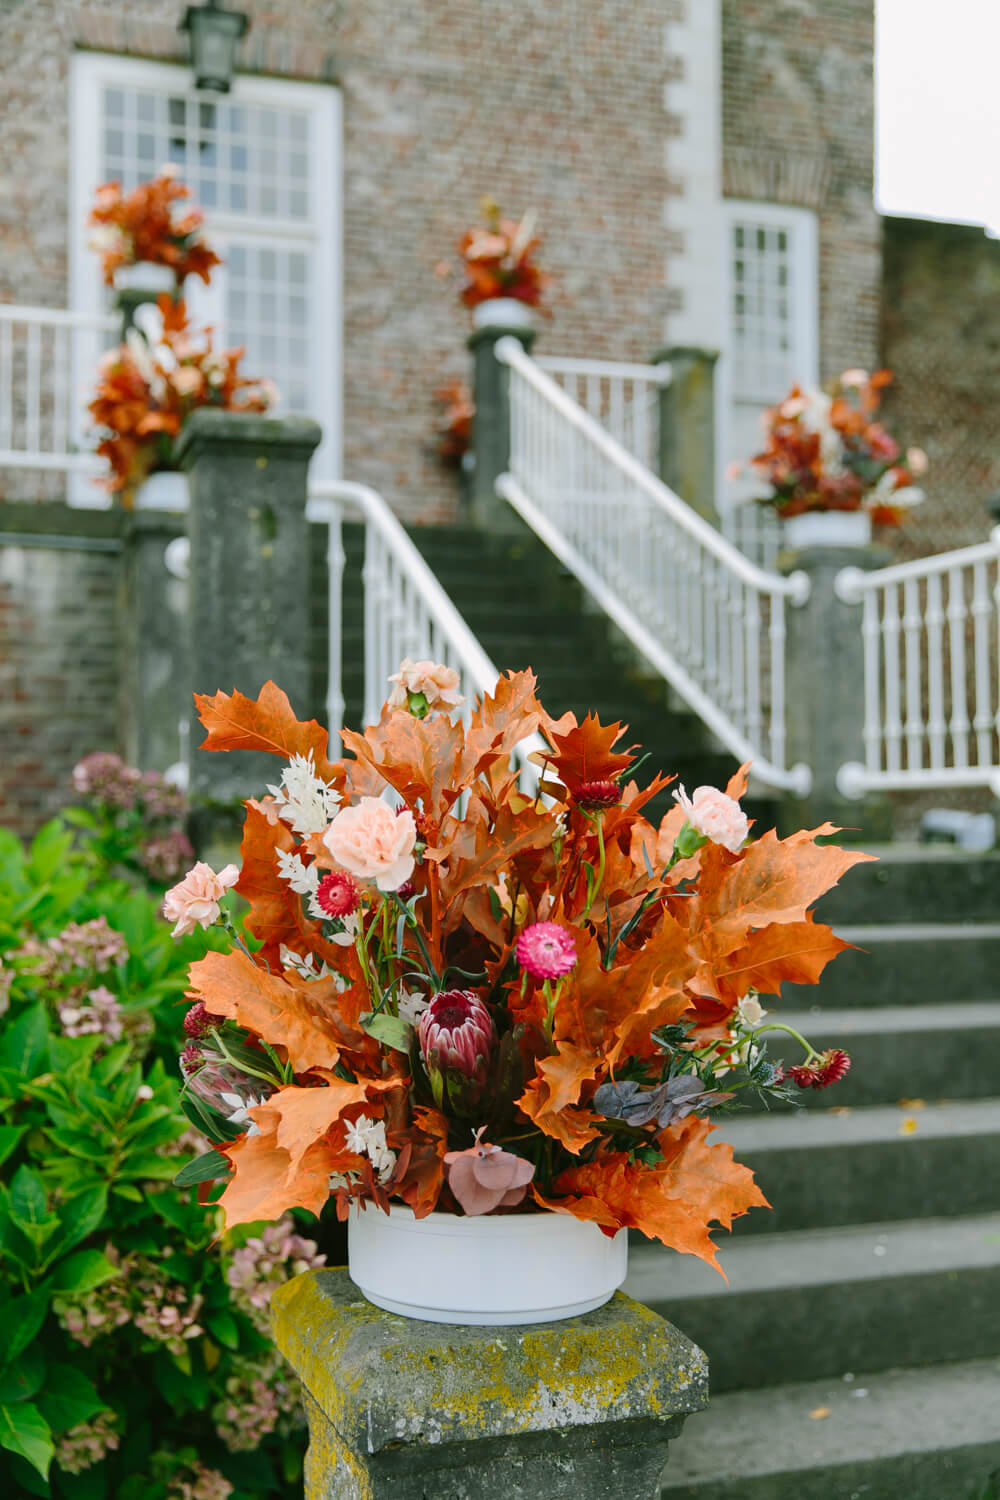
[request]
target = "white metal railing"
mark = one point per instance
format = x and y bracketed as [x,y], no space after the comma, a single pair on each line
[47,361]
[706,617]
[624,398]
[756,531]
[406,611]
[931,634]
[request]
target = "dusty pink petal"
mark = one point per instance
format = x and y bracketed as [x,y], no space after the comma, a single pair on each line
[500,1170]
[473,1197]
[514,1197]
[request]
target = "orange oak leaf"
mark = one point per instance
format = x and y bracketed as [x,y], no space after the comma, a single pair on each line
[261,1186]
[285,1015]
[299,1117]
[585,753]
[551,1096]
[420,1186]
[235,722]
[796,952]
[415,756]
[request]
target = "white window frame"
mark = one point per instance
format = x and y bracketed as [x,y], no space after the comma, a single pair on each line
[91,72]
[802,225]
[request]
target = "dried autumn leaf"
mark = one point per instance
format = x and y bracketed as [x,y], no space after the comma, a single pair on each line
[585,753]
[551,1096]
[793,952]
[231,985]
[267,723]
[261,1186]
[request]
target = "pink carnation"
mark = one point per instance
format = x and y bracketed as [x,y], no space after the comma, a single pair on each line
[194,902]
[439,684]
[373,843]
[715,816]
[546,950]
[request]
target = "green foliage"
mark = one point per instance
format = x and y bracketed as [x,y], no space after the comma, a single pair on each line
[123,1340]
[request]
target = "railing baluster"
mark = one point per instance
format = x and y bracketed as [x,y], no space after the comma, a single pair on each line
[777,638]
[957,614]
[6,387]
[890,656]
[981,611]
[936,723]
[911,637]
[872,642]
[33,391]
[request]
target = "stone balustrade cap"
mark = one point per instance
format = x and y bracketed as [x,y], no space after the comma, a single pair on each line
[211,427]
[383,1380]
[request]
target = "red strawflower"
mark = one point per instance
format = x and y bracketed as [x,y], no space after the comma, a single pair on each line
[337,894]
[546,950]
[595,795]
[199,1020]
[406,890]
[829,1067]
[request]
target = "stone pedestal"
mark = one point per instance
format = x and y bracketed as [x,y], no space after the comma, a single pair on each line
[401,1410]
[825,693]
[491,426]
[687,427]
[155,677]
[248,574]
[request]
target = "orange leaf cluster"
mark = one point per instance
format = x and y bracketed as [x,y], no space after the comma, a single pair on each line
[147,389]
[656,943]
[152,223]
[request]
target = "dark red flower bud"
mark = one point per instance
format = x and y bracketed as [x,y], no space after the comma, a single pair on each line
[829,1067]
[199,1020]
[596,795]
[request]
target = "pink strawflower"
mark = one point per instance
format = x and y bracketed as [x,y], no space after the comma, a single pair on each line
[546,950]
[194,901]
[337,894]
[456,1031]
[485,1177]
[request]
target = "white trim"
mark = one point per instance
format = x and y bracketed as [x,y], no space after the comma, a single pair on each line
[801,225]
[323,229]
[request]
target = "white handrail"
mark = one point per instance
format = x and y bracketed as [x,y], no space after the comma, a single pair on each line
[406,611]
[624,398]
[931,640]
[707,618]
[47,360]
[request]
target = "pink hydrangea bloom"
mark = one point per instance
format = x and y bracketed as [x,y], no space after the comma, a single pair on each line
[546,950]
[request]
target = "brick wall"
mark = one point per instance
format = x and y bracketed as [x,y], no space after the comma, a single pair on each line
[59,644]
[941,337]
[798,128]
[551,104]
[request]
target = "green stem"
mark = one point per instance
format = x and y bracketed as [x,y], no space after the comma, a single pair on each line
[244,1067]
[410,922]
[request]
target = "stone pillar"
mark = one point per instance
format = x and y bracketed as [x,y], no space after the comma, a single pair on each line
[155,677]
[491,426]
[401,1410]
[248,572]
[687,427]
[825,692]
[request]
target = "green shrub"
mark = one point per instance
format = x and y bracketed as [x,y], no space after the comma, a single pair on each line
[135,1359]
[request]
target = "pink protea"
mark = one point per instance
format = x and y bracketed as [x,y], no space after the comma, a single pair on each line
[456,1033]
[485,1177]
[337,894]
[546,950]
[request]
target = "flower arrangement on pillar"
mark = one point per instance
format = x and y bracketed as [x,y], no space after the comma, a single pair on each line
[834,470]
[151,239]
[148,386]
[503,283]
[492,1027]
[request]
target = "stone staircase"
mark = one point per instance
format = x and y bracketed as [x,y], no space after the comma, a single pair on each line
[856,1350]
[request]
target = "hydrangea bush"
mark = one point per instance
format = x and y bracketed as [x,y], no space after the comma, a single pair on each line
[135,1359]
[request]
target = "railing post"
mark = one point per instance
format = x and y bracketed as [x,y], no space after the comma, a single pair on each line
[687,427]
[825,692]
[156,676]
[404,1410]
[249,581]
[491,425]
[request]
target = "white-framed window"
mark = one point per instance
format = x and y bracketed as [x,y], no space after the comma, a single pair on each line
[264,163]
[772,321]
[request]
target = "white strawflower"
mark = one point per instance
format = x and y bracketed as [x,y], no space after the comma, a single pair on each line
[306,803]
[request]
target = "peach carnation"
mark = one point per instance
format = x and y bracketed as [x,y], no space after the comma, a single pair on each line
[194,901]
[438,684]
[372,842]
[715,816]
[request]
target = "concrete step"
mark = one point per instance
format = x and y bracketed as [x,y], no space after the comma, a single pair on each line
[917,883]
[928,1052]
[812,1304]
[824,1169]
[907,964]
[929,1434]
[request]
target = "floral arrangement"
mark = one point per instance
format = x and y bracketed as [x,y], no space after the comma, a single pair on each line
[498,259]
[825,450]
[464,998]
[453,429]
[152,223]
[151,383]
